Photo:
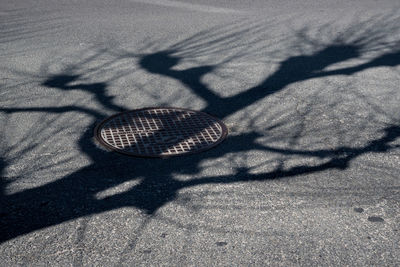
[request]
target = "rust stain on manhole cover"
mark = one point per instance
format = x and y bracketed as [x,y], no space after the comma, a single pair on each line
[160,132]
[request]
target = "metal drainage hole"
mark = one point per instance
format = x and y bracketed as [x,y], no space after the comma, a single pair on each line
[160,132]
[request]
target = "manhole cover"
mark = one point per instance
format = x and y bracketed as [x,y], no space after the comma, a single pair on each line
[160,132]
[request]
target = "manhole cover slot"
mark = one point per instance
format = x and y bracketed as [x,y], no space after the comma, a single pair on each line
[160,132]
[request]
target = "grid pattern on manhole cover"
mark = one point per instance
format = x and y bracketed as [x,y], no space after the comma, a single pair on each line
[160,132]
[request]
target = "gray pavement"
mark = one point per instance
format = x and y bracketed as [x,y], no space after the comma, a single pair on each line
[309,173]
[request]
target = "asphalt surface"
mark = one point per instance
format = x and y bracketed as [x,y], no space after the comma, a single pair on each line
[308,175]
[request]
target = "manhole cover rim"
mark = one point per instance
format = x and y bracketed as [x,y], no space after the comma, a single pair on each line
[98,138]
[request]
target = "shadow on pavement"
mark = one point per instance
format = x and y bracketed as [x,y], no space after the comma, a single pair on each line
[74,196]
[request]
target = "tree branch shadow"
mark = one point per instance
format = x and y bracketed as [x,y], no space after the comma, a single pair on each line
[76,195]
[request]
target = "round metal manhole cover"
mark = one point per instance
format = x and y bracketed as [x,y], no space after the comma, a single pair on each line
[160,132]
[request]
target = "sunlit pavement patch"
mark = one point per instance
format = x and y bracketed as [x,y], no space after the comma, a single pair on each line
[160,132]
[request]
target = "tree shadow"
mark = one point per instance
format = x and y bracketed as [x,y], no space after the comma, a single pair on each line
[76,195]
[2,183]
[22,25]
